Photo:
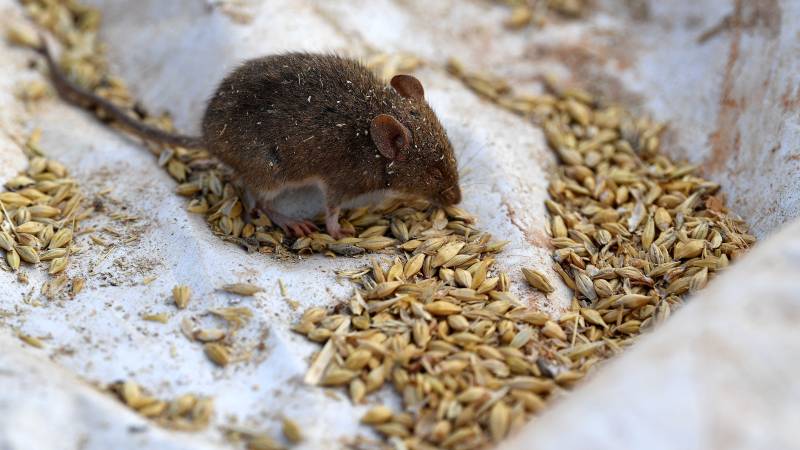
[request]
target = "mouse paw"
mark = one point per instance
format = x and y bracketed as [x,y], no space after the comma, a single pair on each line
[292,226]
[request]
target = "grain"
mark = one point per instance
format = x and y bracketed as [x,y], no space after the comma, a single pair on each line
[244,289]
[19,33]
[292,431]
[161,317]
[520,17]
[377,415]
[442,308]
[77,286]
[31,340]
[27,253]
[499,421]
[12,257]
[209,334]
[180,295]
[57,265]
[218,354]
[537,280]
[61,238]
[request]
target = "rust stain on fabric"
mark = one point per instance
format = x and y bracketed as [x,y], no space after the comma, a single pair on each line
[761,16]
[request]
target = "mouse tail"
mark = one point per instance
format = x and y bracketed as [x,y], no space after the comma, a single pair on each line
[78,95]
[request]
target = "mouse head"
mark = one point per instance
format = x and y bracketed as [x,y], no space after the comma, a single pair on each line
[421,158]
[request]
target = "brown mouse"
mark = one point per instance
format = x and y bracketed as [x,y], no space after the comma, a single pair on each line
[299,119]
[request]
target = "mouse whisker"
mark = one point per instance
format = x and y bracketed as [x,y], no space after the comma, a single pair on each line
[469,174]
[467,162]
[471,184]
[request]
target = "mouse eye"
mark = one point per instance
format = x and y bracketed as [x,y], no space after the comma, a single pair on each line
[414,113]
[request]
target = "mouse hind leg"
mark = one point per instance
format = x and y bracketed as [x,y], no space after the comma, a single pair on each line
[262,202]
[290,225]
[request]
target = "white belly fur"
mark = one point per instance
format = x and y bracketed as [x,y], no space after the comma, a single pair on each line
[306,198]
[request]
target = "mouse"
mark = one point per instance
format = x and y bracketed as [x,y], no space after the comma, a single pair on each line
[296,119]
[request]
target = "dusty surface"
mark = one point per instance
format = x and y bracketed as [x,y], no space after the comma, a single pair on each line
[733,102]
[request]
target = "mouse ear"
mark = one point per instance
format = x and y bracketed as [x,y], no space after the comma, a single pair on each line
[390,136]
[408,87]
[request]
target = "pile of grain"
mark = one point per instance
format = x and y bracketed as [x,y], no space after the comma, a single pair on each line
[39,213]
[186,413]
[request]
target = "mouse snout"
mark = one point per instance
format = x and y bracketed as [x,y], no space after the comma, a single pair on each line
[449,196]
